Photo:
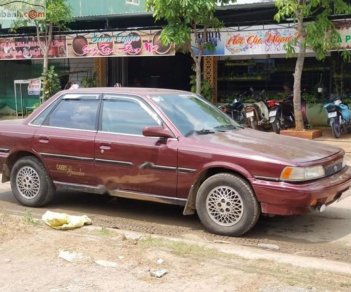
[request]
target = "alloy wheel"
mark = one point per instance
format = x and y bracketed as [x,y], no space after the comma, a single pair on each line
[28,182]
[224,206]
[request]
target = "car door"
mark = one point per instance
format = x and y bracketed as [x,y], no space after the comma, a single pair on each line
[65,139]
[127,160]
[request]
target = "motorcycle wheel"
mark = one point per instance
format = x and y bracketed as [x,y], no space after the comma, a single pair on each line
[336,129]
[276,126]
[253,124]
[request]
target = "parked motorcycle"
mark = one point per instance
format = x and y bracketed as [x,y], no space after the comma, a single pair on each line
[339,116]
[257,114]
[281,114]
[235,109]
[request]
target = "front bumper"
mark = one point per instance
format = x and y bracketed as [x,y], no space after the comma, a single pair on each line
[282,198]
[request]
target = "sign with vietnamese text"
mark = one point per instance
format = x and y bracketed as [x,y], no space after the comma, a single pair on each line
[117,44]
[34,87]
[28,47]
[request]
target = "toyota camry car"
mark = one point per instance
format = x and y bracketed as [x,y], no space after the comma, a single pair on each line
[170,147]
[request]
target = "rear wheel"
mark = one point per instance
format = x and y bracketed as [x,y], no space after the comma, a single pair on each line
[30,183]
[226,205]
[336,128]
[276,126]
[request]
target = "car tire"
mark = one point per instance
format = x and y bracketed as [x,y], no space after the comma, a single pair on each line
[30,182]
[215,202]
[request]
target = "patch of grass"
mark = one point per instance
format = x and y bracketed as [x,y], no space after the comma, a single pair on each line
[105,232]
[29,219]
[180,248]
[345,284]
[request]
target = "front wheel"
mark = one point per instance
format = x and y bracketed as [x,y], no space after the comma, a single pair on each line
[30,182]
[226,205]
[253,123]
[336,128]
[276,126]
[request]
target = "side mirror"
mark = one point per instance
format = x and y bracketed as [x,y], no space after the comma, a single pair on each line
[158,132]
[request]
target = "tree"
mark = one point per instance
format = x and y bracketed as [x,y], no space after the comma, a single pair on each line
[184,18]
[319,34]
[58,15]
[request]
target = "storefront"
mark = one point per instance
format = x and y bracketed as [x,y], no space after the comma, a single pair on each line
[127,58]
[255,57]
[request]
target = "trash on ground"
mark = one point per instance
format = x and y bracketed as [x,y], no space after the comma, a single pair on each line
[269,246]
[132,236]
[72,256]
[160,261]
[158,273]
[64,221]
[106,263]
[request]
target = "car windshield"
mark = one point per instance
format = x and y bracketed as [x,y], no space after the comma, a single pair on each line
[192,114]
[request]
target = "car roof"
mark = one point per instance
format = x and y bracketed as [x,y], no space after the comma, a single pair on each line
[143,91]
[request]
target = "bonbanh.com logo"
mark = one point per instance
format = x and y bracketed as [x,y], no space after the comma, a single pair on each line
[22,10]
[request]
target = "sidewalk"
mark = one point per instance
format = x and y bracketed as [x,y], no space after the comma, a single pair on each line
[343,142]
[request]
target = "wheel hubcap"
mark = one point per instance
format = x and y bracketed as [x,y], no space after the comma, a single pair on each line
[28,182]
[224,206]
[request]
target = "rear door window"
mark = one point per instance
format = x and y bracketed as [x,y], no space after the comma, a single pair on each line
[75,111]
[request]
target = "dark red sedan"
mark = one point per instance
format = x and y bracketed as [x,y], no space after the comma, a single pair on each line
[171,147]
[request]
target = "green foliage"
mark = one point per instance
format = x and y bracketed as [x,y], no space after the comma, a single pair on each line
[310,98]
[58,14]
[89,81]
[50,83]
[183,16]
[206,89]
[319,33]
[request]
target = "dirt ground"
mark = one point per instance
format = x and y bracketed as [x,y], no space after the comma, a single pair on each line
[30,262]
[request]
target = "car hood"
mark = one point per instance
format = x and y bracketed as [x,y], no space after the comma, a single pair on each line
[266,146]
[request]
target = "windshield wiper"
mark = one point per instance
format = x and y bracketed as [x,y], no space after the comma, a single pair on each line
[224,128]
[204,132]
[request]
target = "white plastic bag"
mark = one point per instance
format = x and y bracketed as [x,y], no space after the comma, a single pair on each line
[64,221]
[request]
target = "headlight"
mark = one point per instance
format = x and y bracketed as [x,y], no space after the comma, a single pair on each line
[302,173]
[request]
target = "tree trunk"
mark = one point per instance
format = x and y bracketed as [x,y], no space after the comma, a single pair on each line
[198,76]
[197,60]
[45,46]
[299,125]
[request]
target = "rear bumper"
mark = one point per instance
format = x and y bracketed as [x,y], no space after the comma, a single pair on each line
[281,198]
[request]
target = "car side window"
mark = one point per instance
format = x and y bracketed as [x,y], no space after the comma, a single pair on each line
[75,112]
[126,116]
[42,116]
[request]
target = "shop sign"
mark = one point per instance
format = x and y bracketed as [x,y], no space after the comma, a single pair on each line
[23,10]
[214,40]
[261,42]
[242,43]
[34,87]
[345,36]
[117,44]
[29,48]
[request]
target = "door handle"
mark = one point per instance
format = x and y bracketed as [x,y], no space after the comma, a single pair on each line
[43,140]
[104,147]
